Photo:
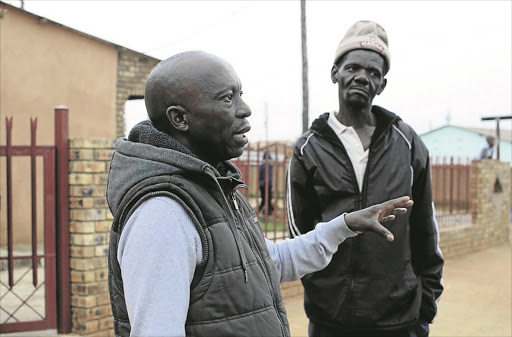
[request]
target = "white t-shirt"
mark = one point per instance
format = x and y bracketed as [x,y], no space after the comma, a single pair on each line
[352,143]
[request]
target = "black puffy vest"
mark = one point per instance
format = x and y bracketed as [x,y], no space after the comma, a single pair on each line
[226,298]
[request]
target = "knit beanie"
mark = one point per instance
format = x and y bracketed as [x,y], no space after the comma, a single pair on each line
[365,35]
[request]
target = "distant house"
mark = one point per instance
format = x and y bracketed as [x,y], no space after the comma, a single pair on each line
[465,142]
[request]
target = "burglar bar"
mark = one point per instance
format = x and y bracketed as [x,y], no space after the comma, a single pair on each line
[33,127]
[10,262]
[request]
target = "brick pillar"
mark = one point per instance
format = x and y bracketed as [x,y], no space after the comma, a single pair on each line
[490,211]
[90,222]
[492,207]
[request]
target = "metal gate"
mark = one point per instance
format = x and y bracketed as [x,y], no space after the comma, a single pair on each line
[34,278]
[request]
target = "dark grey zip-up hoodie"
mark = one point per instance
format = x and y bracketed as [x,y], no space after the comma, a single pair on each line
[234,291]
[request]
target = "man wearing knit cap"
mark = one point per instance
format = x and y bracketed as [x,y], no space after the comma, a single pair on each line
[361,155]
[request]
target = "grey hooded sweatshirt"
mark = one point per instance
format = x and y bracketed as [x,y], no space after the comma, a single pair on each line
[163,254]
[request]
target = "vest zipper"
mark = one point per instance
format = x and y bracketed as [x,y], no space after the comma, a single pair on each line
[257,253]
[259,258]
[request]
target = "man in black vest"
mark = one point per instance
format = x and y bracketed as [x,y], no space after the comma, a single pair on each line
[359,156]
[187,255]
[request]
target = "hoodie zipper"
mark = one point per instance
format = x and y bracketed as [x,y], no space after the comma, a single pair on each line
[355,243]
[360,205]
[259,259]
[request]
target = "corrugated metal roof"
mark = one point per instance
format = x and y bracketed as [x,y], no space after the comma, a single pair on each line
[505,134]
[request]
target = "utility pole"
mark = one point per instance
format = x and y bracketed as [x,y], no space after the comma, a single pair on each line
[305,86]
[266,124]
[497,119]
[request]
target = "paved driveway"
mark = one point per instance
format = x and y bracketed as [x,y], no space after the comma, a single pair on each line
[477,300]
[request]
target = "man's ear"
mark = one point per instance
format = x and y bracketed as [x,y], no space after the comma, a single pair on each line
[334,71]
[382,86]
[177,116]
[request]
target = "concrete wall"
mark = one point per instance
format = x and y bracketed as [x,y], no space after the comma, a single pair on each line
[43,65]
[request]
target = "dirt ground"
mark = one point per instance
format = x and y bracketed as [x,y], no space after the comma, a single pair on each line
[477,299]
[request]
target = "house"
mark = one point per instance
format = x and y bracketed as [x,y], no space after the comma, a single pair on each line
[44,64]
[465,142]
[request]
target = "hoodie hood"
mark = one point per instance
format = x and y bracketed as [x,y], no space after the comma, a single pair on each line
[149,152]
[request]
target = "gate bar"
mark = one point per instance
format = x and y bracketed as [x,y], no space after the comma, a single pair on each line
[10,262]
[275,190]
[285,210]
[33,127]
[50,238]
[62,184]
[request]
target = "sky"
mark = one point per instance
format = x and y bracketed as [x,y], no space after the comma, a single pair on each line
[450,60]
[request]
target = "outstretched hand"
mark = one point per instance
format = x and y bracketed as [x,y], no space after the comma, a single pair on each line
[369,219]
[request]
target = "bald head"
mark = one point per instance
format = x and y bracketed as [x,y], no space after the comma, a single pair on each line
[196,98]
[173,82]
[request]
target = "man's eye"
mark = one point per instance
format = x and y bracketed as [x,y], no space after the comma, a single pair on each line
[241,93]
[228,97]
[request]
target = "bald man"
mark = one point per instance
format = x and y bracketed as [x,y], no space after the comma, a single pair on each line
[187,255]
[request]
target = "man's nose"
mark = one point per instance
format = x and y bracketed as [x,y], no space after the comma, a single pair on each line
[362,77]
[243,110]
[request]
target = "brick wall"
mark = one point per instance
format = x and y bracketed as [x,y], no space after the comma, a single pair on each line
[132,72]
[90,222]
[491,211]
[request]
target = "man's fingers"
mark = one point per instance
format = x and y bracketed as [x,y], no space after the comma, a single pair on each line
[401,202]
[399,211]
[383,231]
[387,218]
[397,203]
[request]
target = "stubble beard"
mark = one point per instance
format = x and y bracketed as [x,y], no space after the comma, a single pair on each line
[357,102]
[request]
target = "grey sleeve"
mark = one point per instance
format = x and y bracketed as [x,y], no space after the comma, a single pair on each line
[309,252]
[158,252]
